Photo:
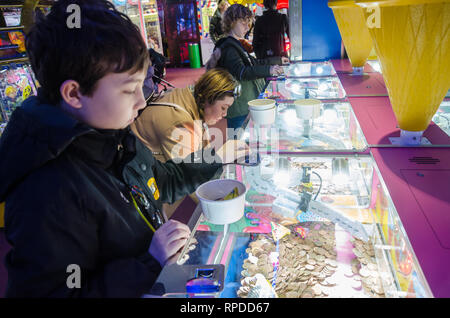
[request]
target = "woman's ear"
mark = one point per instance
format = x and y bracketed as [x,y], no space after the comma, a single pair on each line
[70,93]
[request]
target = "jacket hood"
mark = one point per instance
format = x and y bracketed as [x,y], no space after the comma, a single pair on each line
[228,39]
[217,52]
[36,134]
[183,97]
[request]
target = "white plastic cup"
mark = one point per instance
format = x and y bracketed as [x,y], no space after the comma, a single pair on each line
[262,111]
[307,108]
[263,117]
[261,104]
[221,212]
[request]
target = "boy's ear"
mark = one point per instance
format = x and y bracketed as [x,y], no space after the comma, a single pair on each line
[70,93]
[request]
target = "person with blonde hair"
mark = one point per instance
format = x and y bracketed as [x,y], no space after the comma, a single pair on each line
[177,124]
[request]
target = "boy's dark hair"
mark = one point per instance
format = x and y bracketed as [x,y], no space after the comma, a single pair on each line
[107,41]
[269,4]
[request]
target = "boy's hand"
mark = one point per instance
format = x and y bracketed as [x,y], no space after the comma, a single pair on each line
[233,150]
[284,60]
[168,241]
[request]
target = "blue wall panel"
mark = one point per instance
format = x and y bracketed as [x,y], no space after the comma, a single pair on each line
[320,33]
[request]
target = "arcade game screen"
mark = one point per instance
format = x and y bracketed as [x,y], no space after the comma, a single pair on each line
[11,16]
[12,45]
[16,85]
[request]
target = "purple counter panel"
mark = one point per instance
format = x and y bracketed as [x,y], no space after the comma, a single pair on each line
[368,84]
[378,122]
[418,180]
[344,66]
[184,211]
[371,83]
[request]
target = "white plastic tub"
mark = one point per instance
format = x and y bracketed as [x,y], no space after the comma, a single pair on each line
[263,117]
[307,108]
[262,111]
[261,104]
[221,212]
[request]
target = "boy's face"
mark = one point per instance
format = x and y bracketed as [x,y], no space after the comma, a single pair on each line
[115,102]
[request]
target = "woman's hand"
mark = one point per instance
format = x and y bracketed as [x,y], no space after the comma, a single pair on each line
[168,241]
[276,70]
[284,60]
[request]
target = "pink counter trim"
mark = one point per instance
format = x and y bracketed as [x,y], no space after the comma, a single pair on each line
[344,65]
[214,249]
[378,122]
[421,195]
[226,252]
[239,173]
[369,84]
[228,249]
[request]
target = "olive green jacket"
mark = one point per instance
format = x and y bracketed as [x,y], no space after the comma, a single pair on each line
[249,71]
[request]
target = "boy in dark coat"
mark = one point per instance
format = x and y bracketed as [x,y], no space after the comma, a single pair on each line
[83,195]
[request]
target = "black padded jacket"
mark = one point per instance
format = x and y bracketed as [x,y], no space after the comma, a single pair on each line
[68,201]
[268,35]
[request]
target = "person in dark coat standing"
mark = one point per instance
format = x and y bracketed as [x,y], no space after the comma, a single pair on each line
[215,25]
[83,196]
[268,35]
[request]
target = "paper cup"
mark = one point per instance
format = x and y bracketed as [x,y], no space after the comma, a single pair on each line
[221,212]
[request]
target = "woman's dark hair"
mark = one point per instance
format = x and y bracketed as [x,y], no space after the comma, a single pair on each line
[105,41]
[233,14]
[269,4]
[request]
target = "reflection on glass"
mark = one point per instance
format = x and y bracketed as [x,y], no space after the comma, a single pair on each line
[375,64]
[340,172]
[308,69]
[334,128]
[442,117]
[303,255]
[293,88]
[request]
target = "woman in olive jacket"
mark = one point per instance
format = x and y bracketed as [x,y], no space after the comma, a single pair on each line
[250,72]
